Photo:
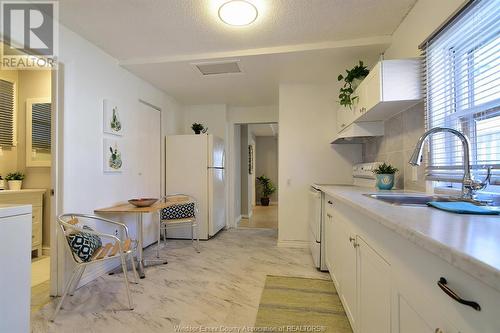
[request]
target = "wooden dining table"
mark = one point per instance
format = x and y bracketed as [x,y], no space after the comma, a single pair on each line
[127,208]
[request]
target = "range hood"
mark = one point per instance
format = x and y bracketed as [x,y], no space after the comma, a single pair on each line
[357,133]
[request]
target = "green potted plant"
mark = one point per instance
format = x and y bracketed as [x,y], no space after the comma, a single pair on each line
[198,128]
[351,82]
[267,188]
[385,176]
[15,180]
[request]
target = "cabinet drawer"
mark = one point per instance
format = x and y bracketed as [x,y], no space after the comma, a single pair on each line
[36,233]
[36,215]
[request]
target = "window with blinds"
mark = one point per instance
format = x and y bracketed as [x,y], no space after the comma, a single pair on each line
[40,118]
[462,82]
[6,113]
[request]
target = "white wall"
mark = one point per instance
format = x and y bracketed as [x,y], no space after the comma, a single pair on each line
[425,17]
[88,76]
[211,116]
[266,162]
[307,125]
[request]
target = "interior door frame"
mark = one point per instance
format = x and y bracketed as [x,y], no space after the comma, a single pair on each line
[232,219]
[56,192]
[162,142]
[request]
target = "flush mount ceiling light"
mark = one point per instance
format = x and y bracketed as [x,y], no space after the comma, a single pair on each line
[238,12]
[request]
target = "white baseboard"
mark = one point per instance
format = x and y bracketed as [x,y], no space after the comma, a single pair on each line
[45,251]
[300,244]
[238,220]
[243,216]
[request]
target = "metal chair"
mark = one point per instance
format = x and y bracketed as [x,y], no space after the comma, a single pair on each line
[70,224]
[183,211]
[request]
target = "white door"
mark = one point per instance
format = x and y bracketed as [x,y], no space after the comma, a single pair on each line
[148,170]
[217,200]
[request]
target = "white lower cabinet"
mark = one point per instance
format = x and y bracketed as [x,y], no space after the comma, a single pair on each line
[388,284]
[345,239]
[374,290]
[427,320]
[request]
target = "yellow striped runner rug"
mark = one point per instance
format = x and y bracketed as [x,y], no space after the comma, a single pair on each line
[294,304]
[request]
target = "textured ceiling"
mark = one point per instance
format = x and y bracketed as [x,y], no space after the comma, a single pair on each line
[157,39]
[143,28]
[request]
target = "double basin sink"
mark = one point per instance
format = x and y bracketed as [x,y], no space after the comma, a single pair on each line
[409,199]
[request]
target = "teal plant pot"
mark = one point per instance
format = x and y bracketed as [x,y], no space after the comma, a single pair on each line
[385,181]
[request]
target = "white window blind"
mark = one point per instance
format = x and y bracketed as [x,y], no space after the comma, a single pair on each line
[40,117]
[462,82]
[6,113]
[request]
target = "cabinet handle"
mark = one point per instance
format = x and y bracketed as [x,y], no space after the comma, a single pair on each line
[343,125]
[352,239]
[442,283]
[438,330]
[330,202]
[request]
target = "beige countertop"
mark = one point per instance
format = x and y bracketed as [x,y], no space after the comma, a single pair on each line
[24,190]
[468,242]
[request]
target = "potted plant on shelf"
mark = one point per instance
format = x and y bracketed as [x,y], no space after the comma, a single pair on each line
[267,188]
[198,128]
[385,176]
[351,82]
[15,180]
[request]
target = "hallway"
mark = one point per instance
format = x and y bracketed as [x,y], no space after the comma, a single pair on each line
[262,217]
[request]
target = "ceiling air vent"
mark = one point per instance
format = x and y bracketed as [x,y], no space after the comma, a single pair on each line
[220,67]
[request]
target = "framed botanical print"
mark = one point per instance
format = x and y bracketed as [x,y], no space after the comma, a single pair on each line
[112,117]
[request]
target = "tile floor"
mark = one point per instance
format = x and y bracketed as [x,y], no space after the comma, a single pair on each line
[220,286]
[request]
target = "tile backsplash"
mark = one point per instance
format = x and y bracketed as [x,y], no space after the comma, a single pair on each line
[396,146]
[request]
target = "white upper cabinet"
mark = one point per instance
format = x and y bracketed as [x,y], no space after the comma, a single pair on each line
[391,87]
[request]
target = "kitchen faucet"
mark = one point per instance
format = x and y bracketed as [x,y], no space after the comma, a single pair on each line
[469,185]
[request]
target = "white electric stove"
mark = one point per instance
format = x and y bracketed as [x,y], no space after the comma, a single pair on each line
[363,176]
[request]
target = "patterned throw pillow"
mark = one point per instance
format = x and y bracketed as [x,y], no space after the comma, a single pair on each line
[84,244]
[181,211]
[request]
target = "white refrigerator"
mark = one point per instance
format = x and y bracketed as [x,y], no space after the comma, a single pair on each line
[195,166]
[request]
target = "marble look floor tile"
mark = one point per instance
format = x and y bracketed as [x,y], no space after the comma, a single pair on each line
[219,286]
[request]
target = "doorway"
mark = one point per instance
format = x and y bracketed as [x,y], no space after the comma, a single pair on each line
[26,155]
[258,175]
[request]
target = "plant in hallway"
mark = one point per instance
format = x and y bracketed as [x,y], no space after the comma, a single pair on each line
[385,176]
[267,188]
[351,81]
[198,128]
[15,180]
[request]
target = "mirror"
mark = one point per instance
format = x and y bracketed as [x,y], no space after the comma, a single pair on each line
[38,132]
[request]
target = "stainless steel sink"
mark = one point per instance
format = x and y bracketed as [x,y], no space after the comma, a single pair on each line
[405,199]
